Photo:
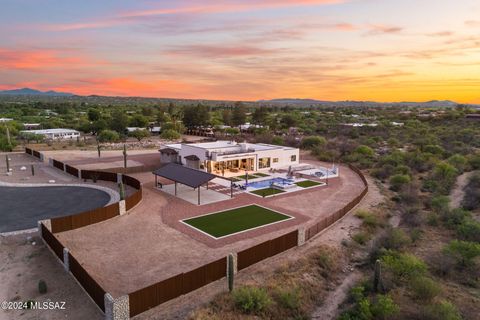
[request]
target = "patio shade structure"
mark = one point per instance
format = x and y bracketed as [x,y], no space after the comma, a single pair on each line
[184,175]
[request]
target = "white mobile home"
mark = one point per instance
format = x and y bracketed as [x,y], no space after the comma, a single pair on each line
[55,134]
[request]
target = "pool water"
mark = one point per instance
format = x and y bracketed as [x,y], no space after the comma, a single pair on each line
[267,183]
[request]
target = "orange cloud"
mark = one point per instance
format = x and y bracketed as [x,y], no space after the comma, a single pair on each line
[124,86]
[218,51]
[41,59]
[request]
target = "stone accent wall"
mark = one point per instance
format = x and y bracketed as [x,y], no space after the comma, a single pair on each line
[122,207]
[66,262]
[301,236]
[117,309]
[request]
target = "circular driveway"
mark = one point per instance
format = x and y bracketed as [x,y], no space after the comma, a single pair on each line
[22,207]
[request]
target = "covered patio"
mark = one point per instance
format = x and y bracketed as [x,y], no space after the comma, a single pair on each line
[189,184]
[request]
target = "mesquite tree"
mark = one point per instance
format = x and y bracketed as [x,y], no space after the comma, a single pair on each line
[124,155]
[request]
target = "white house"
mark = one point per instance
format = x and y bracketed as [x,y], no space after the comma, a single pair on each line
[222,156]
[5,119]
[55,134]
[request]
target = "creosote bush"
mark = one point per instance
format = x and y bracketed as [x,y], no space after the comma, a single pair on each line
[424,288]
[251,300]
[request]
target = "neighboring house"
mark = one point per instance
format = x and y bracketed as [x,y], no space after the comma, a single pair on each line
[168,155]
[474,116]
[5,120]
[133,129]
[55,134]
[31,126]
[220,156]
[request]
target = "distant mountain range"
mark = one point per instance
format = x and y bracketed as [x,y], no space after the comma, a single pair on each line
[33,92]
[313,102]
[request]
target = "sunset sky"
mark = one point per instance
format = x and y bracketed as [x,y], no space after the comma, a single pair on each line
[382,50]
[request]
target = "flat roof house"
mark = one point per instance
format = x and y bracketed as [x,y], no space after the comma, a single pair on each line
[55,134]
[224,157]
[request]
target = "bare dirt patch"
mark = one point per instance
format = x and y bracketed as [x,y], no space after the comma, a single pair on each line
[22,265]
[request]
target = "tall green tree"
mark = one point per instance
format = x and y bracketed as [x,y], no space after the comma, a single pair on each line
[239,115]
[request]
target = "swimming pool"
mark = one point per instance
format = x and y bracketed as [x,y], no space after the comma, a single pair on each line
[268,183]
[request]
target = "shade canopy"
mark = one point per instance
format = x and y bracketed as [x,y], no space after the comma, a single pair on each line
[184,175]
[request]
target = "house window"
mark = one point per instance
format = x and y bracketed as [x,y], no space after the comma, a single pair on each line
[293,158]
[275,160]
[263,163]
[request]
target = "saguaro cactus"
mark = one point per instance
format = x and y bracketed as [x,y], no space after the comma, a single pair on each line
[98,150]
[8,163]
[231,273]
[121,190]
[377,277]
[124,155]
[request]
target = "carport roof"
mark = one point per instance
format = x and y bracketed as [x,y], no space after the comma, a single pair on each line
[187,176]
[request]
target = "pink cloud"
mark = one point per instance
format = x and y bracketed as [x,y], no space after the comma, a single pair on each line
[211,51]
[375,29]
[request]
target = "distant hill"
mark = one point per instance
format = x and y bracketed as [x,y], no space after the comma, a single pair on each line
[313,102]
[33,92]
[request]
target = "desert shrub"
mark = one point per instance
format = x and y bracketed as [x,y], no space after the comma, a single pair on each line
[250,299]
[369,219]
[442,310]
[383,307]
[464,252]
[312,142]
[396,239]
[474,161]
[108,136]
[361,237]
[364,151]
[170,134]
[323,259]
[383,172]
[459,162]
[469,230]
[440,204]
[471,199]
[289,299]
[398,180]
[42,286]
[380,307]
[434,149]
[404,170]
[424,288]
[403,265]
[455,217]
[415,235]
[442,179]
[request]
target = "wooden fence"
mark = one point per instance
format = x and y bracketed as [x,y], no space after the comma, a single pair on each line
[57,164]
[328,221]
[71,170]
[267,249]
[95,291]
[156,294]
[133,200]
[86,218]
[99,175]
[52,241]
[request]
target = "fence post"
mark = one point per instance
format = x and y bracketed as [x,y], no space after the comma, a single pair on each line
[301,236]
[50,162]
[117,309]
[66,263]
[122,207]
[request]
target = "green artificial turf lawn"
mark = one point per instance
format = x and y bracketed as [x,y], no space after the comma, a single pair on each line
[260,174]
[267,192]
[307,183]
[242,177]
[235,220]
